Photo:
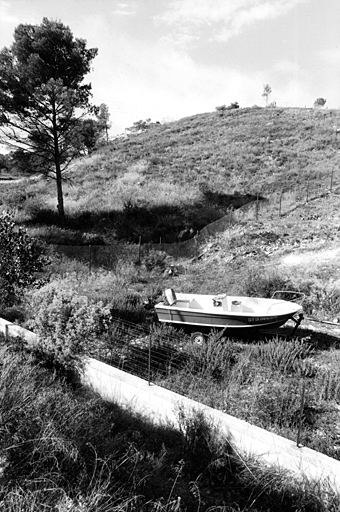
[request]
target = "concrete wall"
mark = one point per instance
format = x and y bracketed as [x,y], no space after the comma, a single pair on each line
[163,406]
[15,331]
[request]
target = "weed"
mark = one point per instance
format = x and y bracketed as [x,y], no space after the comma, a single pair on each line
[213,358]
[276,404]
[283,355]
[328,384]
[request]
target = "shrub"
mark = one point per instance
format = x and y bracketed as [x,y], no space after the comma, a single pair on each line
[221,109]
[156,260]
[66,324]
[258,283]
[21,260]
[233,105]
[321,300]
[140,126]
[129,307]
[319,102]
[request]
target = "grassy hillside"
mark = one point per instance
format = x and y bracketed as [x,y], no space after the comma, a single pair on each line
[185,174]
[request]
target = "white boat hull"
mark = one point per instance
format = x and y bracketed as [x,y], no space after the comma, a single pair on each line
[227,311]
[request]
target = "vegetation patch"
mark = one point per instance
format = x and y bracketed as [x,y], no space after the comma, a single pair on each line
[66,449]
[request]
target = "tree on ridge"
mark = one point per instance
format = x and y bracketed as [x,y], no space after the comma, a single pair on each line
[103,117]
[42,97]
[320,102]
[266,92]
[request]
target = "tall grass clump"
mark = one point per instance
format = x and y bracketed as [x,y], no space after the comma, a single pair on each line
[328,384]
[212,359]
[280,354]
[276,404]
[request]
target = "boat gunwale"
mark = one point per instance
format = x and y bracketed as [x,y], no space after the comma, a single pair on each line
[210,312]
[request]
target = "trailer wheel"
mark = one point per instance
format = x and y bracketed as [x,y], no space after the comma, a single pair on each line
[198,338]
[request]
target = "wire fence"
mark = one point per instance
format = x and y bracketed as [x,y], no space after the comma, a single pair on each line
[281,202]
[149,352]
[159,351]
[163,354]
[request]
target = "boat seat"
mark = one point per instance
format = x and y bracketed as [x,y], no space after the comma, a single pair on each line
[170,297]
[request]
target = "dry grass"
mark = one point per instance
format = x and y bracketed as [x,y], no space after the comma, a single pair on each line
[256,151]
[65,449]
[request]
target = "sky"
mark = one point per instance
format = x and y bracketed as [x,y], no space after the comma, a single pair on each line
[168,59]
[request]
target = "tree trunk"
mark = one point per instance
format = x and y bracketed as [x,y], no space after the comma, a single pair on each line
[60,196]
[58,173]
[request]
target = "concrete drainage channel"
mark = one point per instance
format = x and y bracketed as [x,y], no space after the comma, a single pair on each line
[163,406]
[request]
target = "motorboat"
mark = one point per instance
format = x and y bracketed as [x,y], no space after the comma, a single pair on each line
[228,312]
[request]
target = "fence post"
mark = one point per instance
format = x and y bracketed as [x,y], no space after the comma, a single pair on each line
[90,258]
[280,202]
[6,332]
[196,243]
[257,207]
[139,249]
[149,361]
[301,412]
[332,173]
[307,191]
[230,219]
